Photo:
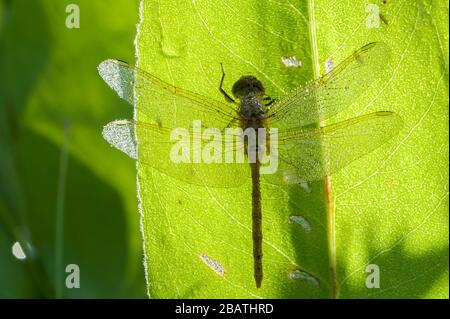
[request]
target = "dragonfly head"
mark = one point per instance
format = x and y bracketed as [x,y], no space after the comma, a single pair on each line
[247,85]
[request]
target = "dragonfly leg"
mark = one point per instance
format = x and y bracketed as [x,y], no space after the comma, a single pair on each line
[268,100]
[228,98]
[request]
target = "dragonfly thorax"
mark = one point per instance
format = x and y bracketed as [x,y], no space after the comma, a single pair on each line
[251,108]
[250,92]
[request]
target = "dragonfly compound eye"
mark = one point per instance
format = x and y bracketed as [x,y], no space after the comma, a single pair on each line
[246,85]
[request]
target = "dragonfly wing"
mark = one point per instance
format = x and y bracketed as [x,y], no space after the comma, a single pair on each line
[187,155]
[159,102]
[163,110]
[332,92]
[310,154]
[120,134]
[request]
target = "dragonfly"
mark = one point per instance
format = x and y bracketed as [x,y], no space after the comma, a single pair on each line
[305,151]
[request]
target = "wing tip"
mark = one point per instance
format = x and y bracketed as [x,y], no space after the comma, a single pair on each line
[105,66]
[395,119]
[379,50]
[120,134]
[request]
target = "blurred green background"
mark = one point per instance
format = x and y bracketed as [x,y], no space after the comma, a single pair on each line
[53,159]
[69,198]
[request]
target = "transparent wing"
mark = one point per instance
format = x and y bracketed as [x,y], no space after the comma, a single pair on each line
[161,103]
[163,110]
[332,92]
[186,154]
[310,154]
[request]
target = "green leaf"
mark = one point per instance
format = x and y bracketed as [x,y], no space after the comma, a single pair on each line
[48,78]
[388,208]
